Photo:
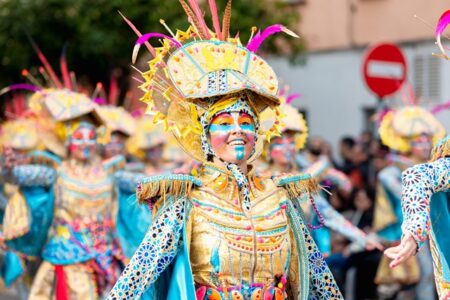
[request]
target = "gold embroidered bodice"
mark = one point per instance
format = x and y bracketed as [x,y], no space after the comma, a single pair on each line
[227,247]
[83,192]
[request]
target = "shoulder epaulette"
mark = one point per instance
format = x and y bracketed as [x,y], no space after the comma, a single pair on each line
[45,158]
[297,184]
[161,186]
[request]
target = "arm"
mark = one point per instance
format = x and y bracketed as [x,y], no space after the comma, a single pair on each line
[419,184]
[335,221]
[34,175]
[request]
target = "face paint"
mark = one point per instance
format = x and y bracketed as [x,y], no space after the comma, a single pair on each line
[421,147]
[116,146]
[282,150]
[83,142]
[232,136]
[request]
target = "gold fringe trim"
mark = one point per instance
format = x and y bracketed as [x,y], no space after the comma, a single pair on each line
[162,186]
[296,185]
[16,222]
[442,149]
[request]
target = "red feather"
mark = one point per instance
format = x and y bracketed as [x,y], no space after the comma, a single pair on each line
[139,34]
[64,70]
[198,13]
[44,61]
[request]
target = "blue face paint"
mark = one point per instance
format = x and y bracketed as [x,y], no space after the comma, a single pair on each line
[86,152]
[240,150]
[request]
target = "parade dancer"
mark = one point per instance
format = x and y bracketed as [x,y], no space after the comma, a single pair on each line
[426,214]
[410,131]
[227,233]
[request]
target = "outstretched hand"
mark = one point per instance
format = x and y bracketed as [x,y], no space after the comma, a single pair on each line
[400,253]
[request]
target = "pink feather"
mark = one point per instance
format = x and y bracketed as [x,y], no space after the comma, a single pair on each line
[215,18]
[144,38]
[440,107]
[259,38]
[64,70]
[444,20]
[138,33]
[292,97]
[20,86]
[198,13]
[150,35]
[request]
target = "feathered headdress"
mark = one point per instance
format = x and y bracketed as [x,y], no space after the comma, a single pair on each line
[291,119]
[193,68]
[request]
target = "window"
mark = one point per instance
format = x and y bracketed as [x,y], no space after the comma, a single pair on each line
[427,79]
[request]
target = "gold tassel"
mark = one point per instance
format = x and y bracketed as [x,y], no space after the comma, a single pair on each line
[16,222]
[162,187]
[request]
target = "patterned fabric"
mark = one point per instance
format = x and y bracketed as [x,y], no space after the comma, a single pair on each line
[156,252]
[219,242]
[419,184]
[426,209]
[34,175]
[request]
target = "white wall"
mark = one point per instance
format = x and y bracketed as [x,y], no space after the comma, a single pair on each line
[334,93]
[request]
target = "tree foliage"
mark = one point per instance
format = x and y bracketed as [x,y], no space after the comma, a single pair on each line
[98,40]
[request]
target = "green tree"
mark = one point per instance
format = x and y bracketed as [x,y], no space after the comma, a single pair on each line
[98,40]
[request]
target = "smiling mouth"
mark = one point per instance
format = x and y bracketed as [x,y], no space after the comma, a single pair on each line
[237,142]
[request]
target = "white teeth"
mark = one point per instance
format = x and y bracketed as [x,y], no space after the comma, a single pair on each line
[237,142]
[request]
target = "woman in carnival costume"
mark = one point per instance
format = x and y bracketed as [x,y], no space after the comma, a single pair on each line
[226,234]
[411,132]
[282,153]
[21,136]
[426,204]
[426,210]
[69,204]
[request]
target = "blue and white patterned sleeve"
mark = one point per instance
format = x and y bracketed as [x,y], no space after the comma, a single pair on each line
[419,184]
[336,221]
[154,254]
[34,175]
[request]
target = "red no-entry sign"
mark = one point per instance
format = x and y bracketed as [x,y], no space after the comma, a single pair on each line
[384,69]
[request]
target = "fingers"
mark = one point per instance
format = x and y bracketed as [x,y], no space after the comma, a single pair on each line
[406,252]
[393,252]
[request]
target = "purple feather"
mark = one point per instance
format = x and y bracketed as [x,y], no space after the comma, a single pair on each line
[259,38]
[20,86]
[440,107]
[444,20]
[145,37]
[100,101]
[292,97]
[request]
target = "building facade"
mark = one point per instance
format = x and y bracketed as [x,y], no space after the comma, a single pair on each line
[337,34]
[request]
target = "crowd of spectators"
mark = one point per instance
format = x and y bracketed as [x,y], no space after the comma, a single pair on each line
[361,159]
